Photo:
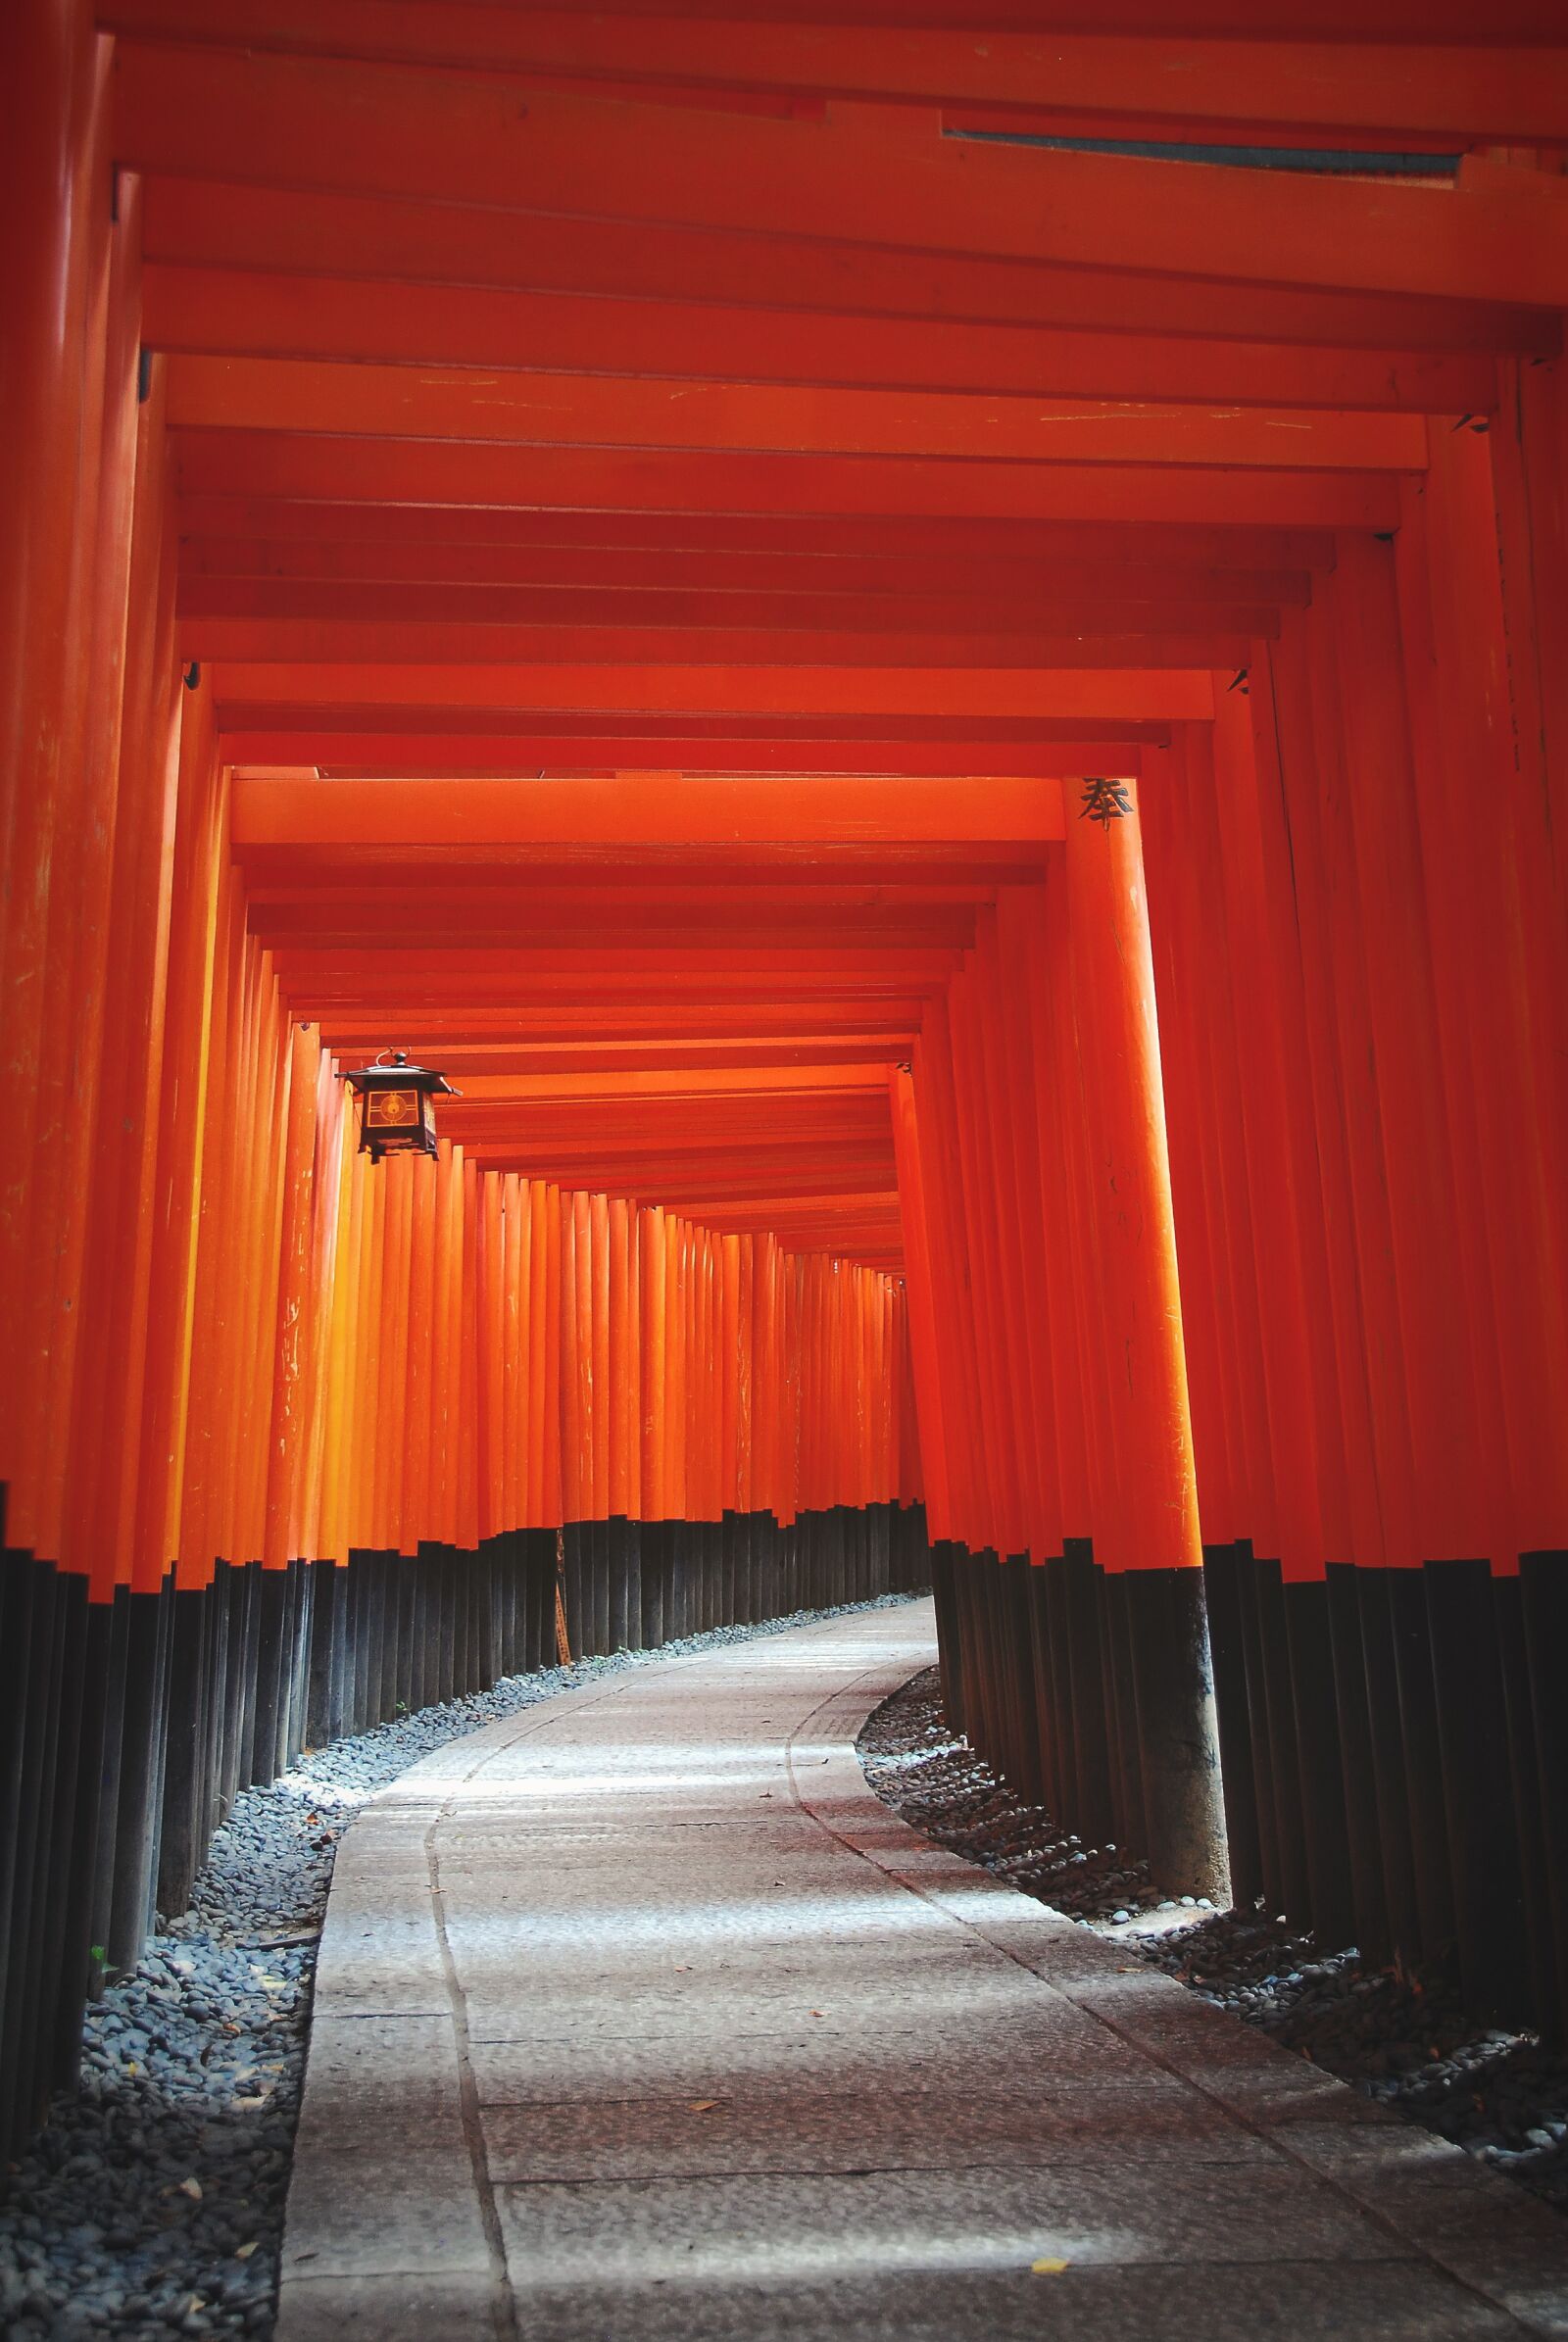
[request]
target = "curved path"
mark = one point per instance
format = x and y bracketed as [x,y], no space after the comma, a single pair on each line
[638,2016]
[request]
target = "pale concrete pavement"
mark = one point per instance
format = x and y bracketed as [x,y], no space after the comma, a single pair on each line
[638,2016]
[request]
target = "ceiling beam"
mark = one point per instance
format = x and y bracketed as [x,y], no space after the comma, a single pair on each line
[338,642]
[577,412]
[414,753]
[863,174]
[1361,90]
[796,280]
[340,468]
[246,312]
[1082,697]
[662,810]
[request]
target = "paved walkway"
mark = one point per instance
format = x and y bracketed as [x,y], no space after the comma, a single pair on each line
[638,2016]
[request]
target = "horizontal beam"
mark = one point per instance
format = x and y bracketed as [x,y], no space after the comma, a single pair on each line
[1081,699]
[281,524]
[810,1121]
[790,576]
[601,1059]
[239,312]
[573,727]
[669,1186]
[695,886]
[664,810]
[581,994]
[404,603]
[871,1206]
[762,1083]
[887,862]
[1361,90]
[353,936]
[581,411]
[417,754]
[521,963]
[492,139]
[338,642]
[260,230]
[346,468]
[436,1025]
[814,1128]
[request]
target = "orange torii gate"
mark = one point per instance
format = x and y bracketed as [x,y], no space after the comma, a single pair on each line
[932,670]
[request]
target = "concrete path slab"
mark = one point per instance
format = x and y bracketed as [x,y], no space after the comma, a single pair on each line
[640,2016]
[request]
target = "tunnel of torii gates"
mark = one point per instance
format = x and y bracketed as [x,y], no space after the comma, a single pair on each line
[932,670]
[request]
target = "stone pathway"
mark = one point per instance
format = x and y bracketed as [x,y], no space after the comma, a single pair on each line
[637,2015]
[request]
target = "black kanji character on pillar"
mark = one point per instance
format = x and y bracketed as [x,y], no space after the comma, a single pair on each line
[1106,801]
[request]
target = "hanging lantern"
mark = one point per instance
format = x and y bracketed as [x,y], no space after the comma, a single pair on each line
[397,1110]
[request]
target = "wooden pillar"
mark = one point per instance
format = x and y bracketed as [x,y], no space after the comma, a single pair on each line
[1113,969]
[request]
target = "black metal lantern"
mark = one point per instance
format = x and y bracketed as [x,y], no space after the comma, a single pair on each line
[397,1111]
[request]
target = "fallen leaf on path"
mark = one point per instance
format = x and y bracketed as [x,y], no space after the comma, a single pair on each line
[1049,2268]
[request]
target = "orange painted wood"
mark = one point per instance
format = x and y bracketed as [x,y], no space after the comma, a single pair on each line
[413,752]
[289,641]
[199,849]
[251,313]
[635,810]
[1031,916]
[1109,916]
[1424,1221]
[601,433]
[488,140]
[604,1405]
[302,232]
[52,1219]
[1405,91]
[56,304]
[1081,700]
[406,469]
[1207,1076]
[606,410]
[1365,1299]
[1489,928]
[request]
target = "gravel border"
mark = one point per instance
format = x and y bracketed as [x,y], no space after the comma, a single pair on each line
[153,2204]
[1404,2039]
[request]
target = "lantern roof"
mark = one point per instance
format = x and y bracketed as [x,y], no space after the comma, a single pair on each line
[397,1074]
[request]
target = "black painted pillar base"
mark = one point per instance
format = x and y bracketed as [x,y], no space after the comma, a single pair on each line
[1482,1833]
[1423,1761]
[950,1657]
[1178,1734]
[1095,1817]
[1514,1656]
[1544,1594]
[1319,1744]
[185,1815]
[142,1742]
[1371,1931]
[1290,1832]
[270,1635]
[1228,1653]
[107,1818]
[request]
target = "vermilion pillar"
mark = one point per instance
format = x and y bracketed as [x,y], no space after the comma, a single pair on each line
[1129,1193]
